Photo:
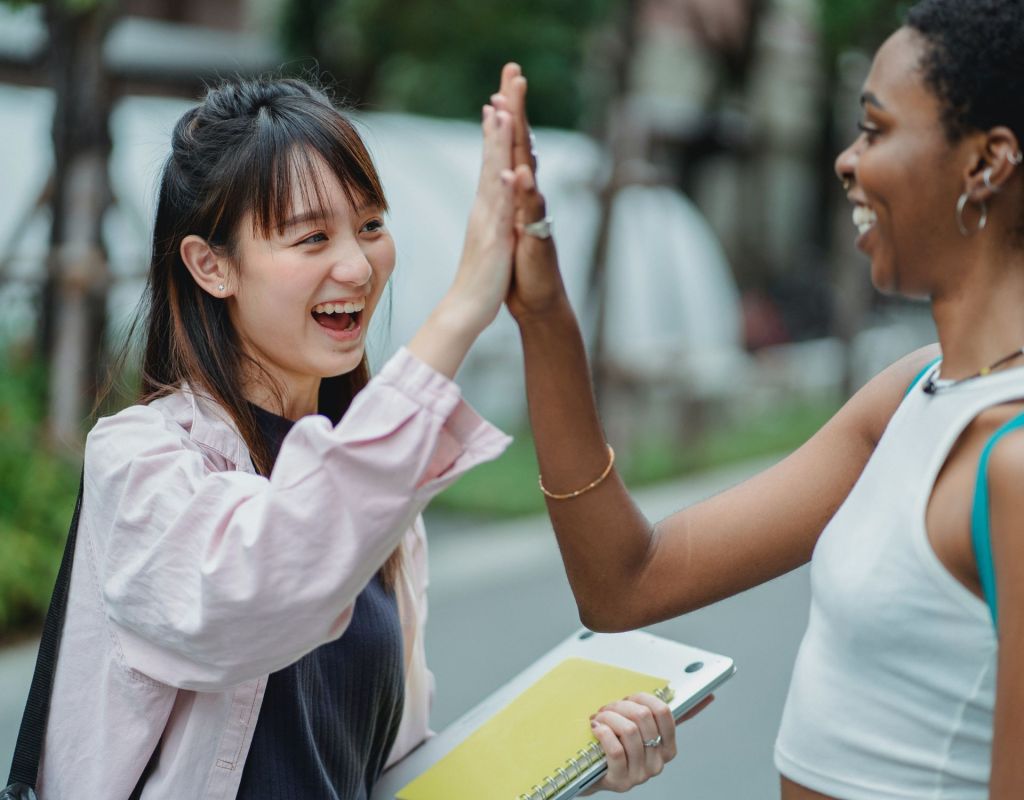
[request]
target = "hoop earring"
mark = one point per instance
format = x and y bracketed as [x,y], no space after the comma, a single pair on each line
[961,204]
[1016,158]
[986,176]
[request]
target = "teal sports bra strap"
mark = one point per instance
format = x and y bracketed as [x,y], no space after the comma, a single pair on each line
[981,538]
[921,374]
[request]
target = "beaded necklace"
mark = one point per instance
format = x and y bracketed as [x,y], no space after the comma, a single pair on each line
[934,385]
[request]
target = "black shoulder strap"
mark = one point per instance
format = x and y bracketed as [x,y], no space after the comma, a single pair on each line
[25,765]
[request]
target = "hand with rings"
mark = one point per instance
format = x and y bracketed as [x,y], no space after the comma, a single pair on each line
[638,736]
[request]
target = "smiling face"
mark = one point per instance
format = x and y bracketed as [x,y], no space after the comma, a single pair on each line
[304,292]
[905,176]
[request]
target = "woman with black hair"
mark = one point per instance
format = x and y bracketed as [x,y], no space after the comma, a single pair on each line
[247,604]
[910,679]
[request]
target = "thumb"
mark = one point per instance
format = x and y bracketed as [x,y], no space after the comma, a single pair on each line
[529,202]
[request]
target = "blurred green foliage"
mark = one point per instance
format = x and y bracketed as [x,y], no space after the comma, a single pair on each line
[37,498]
[861,24]
[444,59]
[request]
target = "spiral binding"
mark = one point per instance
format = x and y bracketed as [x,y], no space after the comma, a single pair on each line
[585,758]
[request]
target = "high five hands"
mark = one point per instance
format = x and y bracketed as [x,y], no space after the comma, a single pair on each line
[636,733]
[536,287]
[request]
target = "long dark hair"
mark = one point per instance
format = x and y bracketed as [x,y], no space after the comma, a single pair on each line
[246,148]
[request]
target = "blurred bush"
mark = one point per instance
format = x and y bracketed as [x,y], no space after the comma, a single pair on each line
[860,24]
[37,498]
[444,59]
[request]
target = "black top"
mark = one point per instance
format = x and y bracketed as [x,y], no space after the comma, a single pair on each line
[329,720]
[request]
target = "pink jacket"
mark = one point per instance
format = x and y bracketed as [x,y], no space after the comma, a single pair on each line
[194,577]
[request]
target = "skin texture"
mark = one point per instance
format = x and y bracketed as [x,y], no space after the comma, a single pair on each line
[626,572]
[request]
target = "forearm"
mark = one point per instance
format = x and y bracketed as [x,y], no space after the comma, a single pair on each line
[446,336]
[604,539]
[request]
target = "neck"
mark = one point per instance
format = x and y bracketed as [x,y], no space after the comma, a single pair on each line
[291,398]
[980,316]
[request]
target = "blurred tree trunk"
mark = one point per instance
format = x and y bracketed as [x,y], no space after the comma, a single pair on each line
[74,294]
[621,140]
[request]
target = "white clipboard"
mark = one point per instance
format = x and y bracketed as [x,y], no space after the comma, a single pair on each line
[693,674]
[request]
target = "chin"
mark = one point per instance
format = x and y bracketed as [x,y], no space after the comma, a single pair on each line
[343,366]
[885,278]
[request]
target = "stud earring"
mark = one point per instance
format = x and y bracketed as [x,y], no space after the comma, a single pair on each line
[1016,158]
[220,287]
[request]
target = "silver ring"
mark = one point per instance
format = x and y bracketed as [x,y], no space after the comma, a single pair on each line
[653,742]
[540,229]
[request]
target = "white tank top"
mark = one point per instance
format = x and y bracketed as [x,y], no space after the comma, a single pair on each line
[893,691]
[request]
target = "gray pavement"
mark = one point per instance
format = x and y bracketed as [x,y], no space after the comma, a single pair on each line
[499,599]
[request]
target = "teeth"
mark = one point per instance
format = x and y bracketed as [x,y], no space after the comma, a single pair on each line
[864,218]
[349,307]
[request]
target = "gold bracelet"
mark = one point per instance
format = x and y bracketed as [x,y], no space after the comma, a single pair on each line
[585,489]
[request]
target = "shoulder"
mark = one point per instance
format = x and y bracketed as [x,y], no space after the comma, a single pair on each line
[140,429]
[896,379]
[873,405]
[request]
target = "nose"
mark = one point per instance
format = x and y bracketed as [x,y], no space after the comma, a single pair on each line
[846,163]
[350,265]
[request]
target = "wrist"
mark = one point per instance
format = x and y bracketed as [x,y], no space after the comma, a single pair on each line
[555,319]
[460,316]
[444,339]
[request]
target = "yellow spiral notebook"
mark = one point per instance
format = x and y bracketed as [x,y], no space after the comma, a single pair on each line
[530,739]
[537,744]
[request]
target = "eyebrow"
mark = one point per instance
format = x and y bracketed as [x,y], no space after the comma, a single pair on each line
[872,98]
[316,216]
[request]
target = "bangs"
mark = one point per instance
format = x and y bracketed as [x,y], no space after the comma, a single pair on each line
[290,148]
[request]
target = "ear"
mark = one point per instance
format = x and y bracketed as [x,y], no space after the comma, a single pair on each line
[997,164]
[209,270]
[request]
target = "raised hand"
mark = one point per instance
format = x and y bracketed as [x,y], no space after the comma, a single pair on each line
[484,272]
[485,268]
[537,286]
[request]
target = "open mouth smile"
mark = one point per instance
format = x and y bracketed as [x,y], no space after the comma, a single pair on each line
[864,218]
[341,318]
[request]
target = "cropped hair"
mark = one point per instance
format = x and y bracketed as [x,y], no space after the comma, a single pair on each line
[974,62]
